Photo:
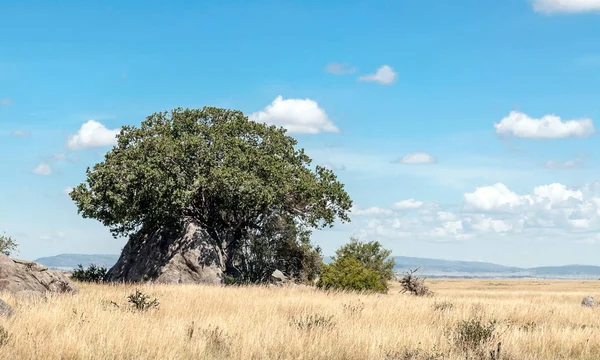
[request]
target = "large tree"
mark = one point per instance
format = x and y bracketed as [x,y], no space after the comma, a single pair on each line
[246,183]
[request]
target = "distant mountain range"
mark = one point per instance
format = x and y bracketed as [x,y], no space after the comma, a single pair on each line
[431,268]
[434,268]
[70,261]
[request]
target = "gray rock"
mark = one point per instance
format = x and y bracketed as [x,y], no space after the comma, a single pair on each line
[277,277]
[5,309]
[188,257]
[20,275]
[588,301]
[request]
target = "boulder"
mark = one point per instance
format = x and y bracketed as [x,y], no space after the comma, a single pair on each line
[21,275]
[5,309]
[278,278]
[190,256]
[588,301]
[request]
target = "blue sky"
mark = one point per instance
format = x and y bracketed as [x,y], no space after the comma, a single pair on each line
[462,129]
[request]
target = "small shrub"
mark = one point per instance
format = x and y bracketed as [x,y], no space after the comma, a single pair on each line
[474,335]
[528,326]
[218,343]
[443,306]
[354,309]
[415,354]
[92,274]
[414,285]
[312,322]
[5,336]
[140,301]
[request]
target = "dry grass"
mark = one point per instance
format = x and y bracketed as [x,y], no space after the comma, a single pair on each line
[536,320]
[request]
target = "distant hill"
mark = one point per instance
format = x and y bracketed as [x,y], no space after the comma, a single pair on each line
[432,268]
[435,268]
[70,261]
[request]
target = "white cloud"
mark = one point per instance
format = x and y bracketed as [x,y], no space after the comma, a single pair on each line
[298,116]
[569,164]
[21,133]
[552,212]
[417,158]
[520,125]
[92,134]
[43,170]
[566,6]
[67,190]
[575,162]
[340,68]
[446,216]
[370,211]
[408,204]
[385,75]
[498,197]
[492,197]
[6,102]
[335,167]
[554,194]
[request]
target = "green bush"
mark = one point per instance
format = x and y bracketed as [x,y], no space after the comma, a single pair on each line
[371,254]
[92,274]
[358,266]
[351,274]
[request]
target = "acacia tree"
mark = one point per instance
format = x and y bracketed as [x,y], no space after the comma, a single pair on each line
[246,183]
[7,244]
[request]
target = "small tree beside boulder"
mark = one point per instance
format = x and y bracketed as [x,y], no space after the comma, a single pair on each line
[8,245]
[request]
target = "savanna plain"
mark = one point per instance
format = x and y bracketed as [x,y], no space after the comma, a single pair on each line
[465,319]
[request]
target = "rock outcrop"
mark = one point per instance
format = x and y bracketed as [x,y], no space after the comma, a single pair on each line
[5,309]
[588,301]
[190,256]
[278,278]
[19,275]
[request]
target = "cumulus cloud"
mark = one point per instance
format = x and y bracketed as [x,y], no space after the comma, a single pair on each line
[498,197]
[576,162]
[493,212]
[335,167]
[298,116]
[92,134]
[43,169]
[370,211]
[569,164]
[417,158]
[565,6]
[493,197]
[340,68]
[385,75]
[21,133]
[408,204]
[520,125]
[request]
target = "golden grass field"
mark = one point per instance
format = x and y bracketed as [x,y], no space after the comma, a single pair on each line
[536,320]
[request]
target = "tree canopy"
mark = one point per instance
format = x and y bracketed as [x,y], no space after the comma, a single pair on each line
[359,266]
[7,244]
[241,180]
